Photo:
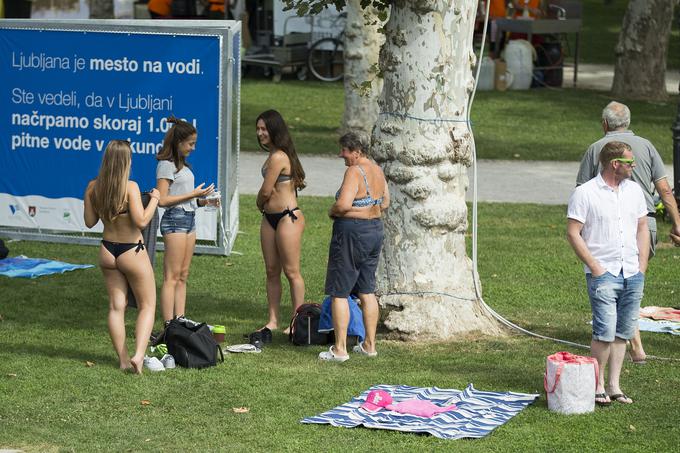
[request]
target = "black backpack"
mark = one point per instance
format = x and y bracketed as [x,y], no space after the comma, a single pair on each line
[191,343]
[304,327]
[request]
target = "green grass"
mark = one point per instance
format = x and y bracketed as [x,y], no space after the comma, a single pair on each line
[540,124]
[51,401]
[312,110]
[600,33]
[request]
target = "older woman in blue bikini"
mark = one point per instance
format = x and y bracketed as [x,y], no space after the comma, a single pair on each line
[282,221]
[355,245]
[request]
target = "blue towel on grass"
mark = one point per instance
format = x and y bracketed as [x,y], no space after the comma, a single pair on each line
[22,266]
[477,415]
[660,326]
[356,318]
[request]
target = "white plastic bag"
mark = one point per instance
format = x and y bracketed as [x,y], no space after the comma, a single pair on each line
[570,381]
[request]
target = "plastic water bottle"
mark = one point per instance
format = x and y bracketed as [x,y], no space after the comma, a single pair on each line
[212,200]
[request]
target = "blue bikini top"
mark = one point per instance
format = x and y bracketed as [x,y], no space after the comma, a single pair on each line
[368,200]
[281,178]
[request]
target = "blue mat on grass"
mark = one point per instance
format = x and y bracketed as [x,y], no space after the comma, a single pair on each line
[22,266]
[660,326]
[478,412]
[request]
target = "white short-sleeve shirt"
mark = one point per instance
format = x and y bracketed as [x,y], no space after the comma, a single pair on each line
[610,218]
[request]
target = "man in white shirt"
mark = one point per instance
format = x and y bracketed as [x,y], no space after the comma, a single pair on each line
[649,173]
[607,228]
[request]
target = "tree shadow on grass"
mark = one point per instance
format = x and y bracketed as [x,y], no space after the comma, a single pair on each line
[52,351]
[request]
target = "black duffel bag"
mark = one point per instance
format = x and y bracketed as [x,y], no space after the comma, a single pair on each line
[191,343]
[304,327]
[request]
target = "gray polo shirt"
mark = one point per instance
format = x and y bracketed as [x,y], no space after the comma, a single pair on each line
[648,169]
[181,182]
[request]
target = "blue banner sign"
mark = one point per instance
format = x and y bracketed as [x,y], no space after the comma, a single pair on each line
[65,94]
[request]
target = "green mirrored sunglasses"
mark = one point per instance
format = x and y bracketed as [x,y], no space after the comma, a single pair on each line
[624,160]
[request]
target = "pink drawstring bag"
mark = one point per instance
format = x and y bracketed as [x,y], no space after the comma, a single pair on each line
[570,381]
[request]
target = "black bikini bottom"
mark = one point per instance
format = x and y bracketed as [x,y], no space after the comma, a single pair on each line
[118,248]
[275,217]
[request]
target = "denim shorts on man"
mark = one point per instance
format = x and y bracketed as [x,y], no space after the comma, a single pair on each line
[177,220]
[353,256]
[615,304]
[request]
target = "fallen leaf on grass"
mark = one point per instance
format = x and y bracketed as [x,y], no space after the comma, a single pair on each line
[147,440]
[11,375]
[89,364]
[240,410]
[228,264]
[632,428]
[145,402]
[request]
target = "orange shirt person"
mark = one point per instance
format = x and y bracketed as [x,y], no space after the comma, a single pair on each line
[160,9]
[497,9]
[216,9]
[533,7]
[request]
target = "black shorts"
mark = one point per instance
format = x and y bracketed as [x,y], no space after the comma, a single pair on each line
[353,256]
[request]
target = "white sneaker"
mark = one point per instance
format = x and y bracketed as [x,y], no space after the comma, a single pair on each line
[360,349]
[168,362]
[330,356]
[153,364]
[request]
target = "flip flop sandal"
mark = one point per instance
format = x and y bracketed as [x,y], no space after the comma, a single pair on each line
[602,396]
[621,398]
[238,348]
[255,339]
[265,335]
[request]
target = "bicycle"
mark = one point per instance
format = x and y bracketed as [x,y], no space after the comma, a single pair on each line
[326,55]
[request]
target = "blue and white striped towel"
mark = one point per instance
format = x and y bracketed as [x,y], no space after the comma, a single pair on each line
[478,412]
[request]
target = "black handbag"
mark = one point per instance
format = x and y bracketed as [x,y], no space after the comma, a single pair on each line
[191,343]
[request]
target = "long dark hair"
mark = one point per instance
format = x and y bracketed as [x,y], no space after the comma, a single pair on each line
[279,137]
[180,131]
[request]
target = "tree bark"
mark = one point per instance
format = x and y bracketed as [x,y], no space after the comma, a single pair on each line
[101,9]
[640,70]
[362,85]
[425,279]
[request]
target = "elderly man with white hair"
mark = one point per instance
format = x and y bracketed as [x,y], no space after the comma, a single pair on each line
[649,172]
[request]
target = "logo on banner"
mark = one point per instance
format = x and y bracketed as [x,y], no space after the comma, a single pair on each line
[67,215]
[14,208]
[31,211]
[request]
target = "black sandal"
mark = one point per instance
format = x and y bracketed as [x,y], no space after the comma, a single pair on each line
[265,334]
[602,396]
[618,397]
[255,339]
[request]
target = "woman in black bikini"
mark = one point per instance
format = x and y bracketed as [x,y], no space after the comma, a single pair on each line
[282,221]
[116,200]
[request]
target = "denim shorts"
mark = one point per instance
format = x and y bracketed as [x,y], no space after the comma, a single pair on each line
[353,256]
[177,220]
[615,303]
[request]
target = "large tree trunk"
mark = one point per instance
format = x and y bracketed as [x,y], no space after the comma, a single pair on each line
[101,9]
[422,141]
[362,85]
[640,71]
